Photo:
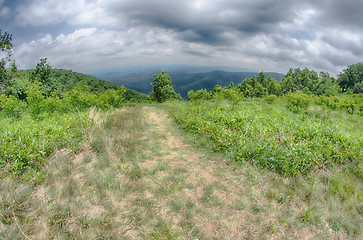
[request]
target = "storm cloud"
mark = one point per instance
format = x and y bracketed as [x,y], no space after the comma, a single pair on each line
[94,35]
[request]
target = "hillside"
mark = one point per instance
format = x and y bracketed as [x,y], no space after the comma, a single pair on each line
[183,81]
[66,80]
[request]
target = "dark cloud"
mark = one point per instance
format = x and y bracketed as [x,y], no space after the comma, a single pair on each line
[209,24]
[260,34]
[345,14]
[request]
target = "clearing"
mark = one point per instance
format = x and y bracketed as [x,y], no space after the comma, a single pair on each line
[140,178]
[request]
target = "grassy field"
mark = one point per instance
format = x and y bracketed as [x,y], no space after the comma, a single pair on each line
[317,152]
[274,137]
[222,170]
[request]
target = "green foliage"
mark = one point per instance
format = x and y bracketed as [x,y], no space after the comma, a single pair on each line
[17,87]
[290,142]
[298,100]
[26,142]
[358,88]
[259,86]
[66,80]
[298,79]
[35,99]
[218,92]
[350,77]
[199,95]
[135,96]
[270,99]
[12,106]
[110,98]
[6,46]
[82,98]
[162,88]
[6,42]
[229,93]
[41,76]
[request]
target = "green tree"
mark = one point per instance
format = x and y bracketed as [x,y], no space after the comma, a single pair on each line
[41,75]
[297,79]
[358,88]
[42,72]
[327,85]
[202,94]
[6,46]
[273,87]
[351,76]
[162,88]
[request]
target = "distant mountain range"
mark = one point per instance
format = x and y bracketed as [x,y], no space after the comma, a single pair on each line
[184,78]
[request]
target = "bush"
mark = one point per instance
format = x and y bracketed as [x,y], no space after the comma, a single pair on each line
[298,100]
[199,95]
[12,106]
[270,99]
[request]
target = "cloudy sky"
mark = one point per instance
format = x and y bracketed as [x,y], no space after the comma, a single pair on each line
[264,35]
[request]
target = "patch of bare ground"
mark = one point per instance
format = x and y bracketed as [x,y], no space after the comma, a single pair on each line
[210,193]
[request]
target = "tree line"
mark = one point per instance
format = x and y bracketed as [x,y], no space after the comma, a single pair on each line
[84,90]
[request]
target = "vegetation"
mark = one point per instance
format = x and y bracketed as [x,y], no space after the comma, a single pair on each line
[263,159]
[351,79]
[292,135]
[162,88]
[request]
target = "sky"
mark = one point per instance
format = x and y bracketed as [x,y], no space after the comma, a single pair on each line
[264,35]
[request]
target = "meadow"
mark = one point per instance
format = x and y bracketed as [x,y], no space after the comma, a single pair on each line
[114,164]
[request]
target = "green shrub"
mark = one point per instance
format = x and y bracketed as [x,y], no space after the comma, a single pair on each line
[270,99]
[298,100]
[12,106]
[27,141]
[274,138]
[199,95]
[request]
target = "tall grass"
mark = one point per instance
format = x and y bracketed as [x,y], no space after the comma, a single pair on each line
[274,136]
[25,142]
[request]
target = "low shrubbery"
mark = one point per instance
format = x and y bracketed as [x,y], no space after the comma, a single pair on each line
[25,142]
[290,142]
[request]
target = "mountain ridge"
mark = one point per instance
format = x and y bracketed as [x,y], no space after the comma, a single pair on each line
[182,80]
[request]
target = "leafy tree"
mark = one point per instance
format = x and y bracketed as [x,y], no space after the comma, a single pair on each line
[162,88]
[42,72]
[358,88]
[327,85]
[259,86]
[6,46]
[351,76]
[297,79]
[41,75]
[273,87]
[202,94]
[231,86]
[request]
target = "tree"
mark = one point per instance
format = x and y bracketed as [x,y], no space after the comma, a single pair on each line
[327,85]
[273,87]
[162,88]
[41,75]
[6,46]
[42,72]
[297,79]
[351,76]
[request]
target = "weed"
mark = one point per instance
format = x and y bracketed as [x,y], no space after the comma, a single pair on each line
[239,205]
[175,205]
[162,232]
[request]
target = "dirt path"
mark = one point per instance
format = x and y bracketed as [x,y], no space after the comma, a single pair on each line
[217,194]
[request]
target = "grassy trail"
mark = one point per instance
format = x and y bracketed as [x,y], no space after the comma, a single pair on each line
[139,178]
